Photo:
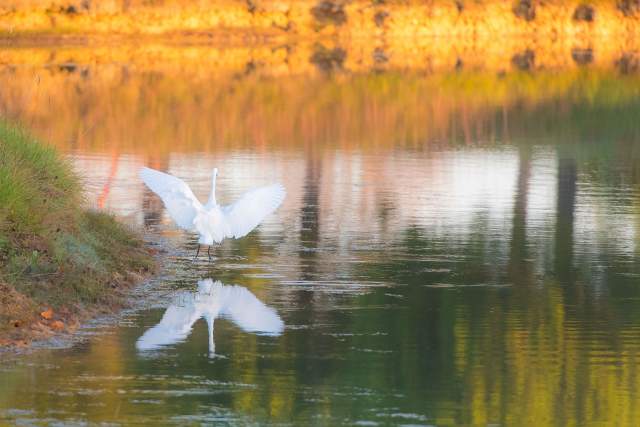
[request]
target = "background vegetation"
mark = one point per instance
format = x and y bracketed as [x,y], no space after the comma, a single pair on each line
[260,19]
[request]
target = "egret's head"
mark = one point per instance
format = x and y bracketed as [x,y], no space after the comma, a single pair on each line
[215,172]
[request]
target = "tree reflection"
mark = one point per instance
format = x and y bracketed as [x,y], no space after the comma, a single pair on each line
[518,266]
[565,211]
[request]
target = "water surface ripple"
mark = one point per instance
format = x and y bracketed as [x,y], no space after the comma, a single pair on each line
[481,266]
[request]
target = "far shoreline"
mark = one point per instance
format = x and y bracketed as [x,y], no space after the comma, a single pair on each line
[233,20]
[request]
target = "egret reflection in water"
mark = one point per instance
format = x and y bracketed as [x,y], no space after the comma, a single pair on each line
[211,301]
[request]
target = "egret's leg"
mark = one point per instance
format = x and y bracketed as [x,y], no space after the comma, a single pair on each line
[209,253]
[197,252]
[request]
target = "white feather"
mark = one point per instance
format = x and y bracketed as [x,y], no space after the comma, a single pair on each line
[247,212]
[176,195]
[212,222]
[248,312]
[175,325]
[212,300]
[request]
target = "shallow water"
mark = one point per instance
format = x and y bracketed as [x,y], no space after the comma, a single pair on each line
[454,248]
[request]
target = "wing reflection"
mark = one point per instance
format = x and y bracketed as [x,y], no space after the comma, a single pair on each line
[212,300]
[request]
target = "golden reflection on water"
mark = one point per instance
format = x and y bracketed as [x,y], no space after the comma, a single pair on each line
[472,233]
[119,100]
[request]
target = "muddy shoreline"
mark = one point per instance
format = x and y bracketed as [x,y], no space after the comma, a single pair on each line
[44,333]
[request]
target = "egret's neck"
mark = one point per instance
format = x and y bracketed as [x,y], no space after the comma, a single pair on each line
[212,345]
[212,197]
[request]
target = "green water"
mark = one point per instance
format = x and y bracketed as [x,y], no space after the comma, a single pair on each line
[465,263]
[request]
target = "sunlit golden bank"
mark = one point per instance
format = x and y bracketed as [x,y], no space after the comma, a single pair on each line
[277,19]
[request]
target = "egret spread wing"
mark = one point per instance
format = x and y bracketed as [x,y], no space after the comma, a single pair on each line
[174,327]
[248,312]
[247,212]
[178,198]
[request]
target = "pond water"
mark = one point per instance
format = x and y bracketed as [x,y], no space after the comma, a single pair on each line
[456,246]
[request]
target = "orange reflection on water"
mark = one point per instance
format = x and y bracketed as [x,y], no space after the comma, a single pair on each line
[160,99]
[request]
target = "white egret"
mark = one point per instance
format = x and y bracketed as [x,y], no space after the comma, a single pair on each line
[213,222]
[212,300]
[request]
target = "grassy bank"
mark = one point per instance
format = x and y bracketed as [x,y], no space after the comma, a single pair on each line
[58,262]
